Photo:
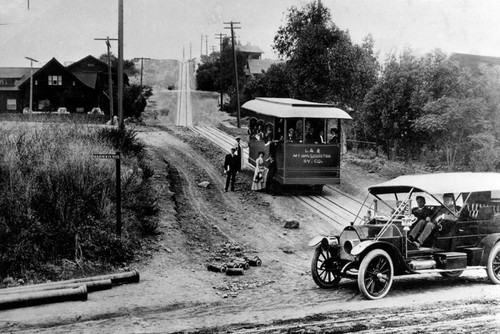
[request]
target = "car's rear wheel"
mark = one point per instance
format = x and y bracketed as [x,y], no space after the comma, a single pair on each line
[451,274]
[493,265]
[325,267]
[375,274]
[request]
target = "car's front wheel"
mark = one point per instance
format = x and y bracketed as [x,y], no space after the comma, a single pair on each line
[325,267]
[493,266]
[375,274]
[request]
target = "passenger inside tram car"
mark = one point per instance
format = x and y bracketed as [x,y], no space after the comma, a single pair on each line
[252,128]
[279,133]
[290,138]
[260,130]
[268,136]
[322,137]
[311,136]
[334,137]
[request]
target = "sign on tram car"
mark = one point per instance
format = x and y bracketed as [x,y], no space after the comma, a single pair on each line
[303,137]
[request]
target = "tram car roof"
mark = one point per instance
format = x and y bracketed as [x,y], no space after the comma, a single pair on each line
[292,108]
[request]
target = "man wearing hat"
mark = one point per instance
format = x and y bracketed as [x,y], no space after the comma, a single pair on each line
[231,168]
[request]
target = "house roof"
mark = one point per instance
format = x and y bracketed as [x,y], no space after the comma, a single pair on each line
[249,49]
[18,73]
[257,66]
[14,72]
[89,79]
[440,183]
[49,63]
[292,108]
[76,63]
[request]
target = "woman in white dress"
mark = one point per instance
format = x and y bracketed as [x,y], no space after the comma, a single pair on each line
[260,174]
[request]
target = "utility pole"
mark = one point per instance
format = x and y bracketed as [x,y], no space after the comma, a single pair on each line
[201,46]
[120,64]
[220,37]
[190,51]
[213,47]
[142,66]
[110,73]
[232,27]
[31,82]
[206,45]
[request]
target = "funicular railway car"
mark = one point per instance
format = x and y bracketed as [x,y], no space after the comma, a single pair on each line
[304,138]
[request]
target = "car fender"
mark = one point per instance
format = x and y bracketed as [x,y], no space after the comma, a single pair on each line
[315,241]
[487,244]
[324,241]
[360,250]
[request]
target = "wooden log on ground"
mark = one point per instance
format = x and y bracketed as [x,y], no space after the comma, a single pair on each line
[42,297]
[92,286]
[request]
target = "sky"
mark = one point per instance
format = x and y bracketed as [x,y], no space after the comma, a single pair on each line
[169,29]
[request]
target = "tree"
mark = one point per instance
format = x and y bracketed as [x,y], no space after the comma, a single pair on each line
[206,77]
[272,83]
[217,73]
[389,110]
[128,65]
[322,62]
[304,42]
[452,122]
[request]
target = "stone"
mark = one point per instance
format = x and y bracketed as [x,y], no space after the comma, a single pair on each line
[291,223]
[8,280]
[204,184]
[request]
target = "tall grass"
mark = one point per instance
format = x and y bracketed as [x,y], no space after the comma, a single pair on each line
[57,198]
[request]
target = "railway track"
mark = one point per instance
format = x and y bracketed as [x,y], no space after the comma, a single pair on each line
[184,112]
[334,205]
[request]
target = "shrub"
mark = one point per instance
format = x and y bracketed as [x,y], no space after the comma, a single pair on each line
[58,200]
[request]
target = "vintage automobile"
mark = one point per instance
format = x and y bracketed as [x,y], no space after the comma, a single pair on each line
[375,248]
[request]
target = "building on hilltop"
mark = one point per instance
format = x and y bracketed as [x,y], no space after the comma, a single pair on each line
[254,65]
[249,51]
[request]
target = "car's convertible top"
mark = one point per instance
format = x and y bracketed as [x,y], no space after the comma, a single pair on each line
[440,183]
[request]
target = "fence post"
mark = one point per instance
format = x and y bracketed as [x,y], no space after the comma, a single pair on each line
[118,196]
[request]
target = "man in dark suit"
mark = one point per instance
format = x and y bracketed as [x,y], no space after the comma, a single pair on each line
[231,163]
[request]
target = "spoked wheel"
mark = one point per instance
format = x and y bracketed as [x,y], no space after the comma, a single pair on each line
[325,267]
[493,266]
[451,274]
[375,274]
